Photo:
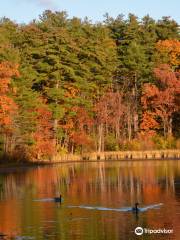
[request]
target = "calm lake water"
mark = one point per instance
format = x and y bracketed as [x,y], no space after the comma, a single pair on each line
[96,200]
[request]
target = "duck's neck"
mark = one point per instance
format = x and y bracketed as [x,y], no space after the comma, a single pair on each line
[136,207]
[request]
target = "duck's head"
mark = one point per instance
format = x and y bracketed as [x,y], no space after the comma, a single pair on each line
[136,206]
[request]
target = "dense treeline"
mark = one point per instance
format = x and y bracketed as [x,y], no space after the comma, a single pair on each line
[67,85]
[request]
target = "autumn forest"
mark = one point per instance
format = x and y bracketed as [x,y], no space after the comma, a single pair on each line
[73,86]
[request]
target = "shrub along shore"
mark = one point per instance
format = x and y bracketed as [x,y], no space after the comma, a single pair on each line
[120,155]
[95,157]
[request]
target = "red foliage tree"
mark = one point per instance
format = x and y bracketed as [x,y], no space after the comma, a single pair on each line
[161,99]
[43,135]
[82,124]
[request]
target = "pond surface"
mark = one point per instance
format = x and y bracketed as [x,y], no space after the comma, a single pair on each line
[97,198]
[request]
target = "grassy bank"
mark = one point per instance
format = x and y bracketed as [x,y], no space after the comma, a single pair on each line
[96,156]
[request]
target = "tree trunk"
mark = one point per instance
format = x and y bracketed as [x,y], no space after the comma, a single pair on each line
[55,131]
[135,103]
[56,120]
[72,148]
[136,122]
[129,125]
[117,130]
[101,138]
[170,127]
[165,128]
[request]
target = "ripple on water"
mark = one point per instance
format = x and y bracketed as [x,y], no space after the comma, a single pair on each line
[124,209]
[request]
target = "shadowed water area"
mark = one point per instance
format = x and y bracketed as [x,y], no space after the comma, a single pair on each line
[97,201]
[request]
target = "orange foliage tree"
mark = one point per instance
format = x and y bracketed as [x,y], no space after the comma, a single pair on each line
[7,106]
[169,52]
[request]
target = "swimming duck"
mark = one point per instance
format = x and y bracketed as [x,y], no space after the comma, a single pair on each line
[58,199]
[135,208]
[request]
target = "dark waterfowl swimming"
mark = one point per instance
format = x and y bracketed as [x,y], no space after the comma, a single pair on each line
[135,208]
[2,236]
[58,199]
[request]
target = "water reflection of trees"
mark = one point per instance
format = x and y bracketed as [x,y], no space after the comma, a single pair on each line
[105,184]
[131,177]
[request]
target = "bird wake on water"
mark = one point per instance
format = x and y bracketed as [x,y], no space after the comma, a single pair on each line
[123,209]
